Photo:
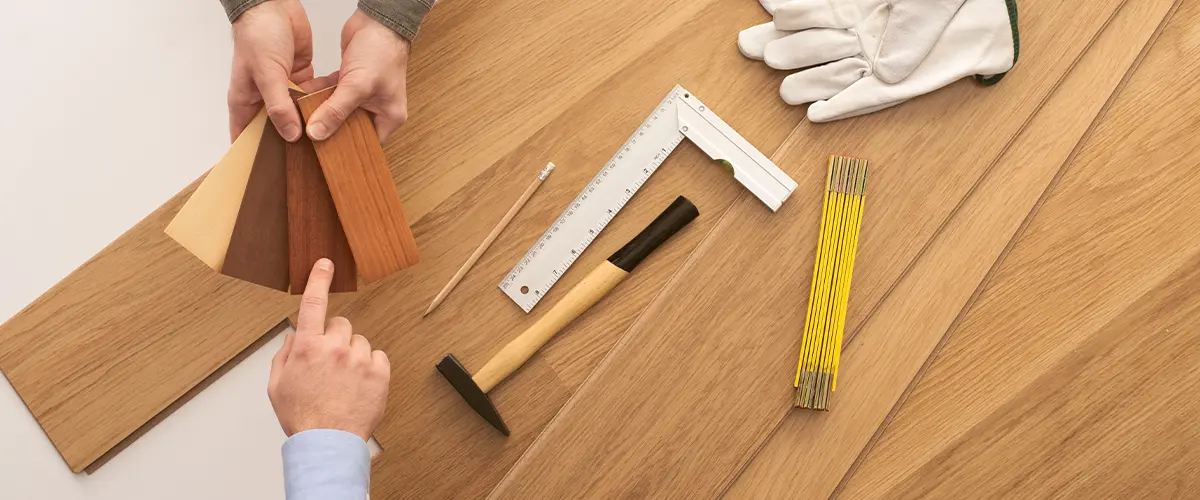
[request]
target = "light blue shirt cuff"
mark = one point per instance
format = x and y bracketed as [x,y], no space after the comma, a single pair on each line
[326,464]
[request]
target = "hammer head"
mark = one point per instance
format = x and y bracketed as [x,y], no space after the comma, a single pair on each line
[470,391]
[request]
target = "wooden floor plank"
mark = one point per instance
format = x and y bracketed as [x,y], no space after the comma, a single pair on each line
[445,450]
[894,343]
[687,395]
[1043,388]
[480,84]
[532,66]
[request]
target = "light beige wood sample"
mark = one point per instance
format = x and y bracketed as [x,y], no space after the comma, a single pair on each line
[205,223]
[692,390]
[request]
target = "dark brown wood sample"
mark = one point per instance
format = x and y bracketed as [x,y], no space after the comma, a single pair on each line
[314,230]
[362,188]
[258,248]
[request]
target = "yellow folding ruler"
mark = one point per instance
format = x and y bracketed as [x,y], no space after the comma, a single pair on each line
[825,321]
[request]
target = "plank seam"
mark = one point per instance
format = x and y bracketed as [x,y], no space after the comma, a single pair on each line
[920,254]
[654,304]
[1016,235]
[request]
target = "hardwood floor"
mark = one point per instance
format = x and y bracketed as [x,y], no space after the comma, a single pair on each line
[1022,324]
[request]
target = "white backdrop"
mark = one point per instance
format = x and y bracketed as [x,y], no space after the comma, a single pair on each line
[107,110]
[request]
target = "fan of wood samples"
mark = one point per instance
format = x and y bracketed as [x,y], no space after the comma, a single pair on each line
[271,208]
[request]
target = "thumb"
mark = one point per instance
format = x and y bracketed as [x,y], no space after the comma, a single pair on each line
[273,85]
[333,112]
[913,27]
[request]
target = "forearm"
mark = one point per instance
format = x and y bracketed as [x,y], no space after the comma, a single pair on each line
[402,16]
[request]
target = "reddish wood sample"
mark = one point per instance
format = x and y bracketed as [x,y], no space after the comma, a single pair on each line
[258,248]
[367,203]
[314,230]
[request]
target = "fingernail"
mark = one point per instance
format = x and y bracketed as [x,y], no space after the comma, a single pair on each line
[291,132]
[325,264]
[318,131]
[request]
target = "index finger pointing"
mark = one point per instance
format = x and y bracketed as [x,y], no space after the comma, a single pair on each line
[311,319]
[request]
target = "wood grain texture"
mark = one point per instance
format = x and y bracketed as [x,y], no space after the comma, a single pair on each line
[1071,375]
[893,344]
[585,294]
[699,382]
[125,317]
[205,223]
[258,247]
[362,189]
[314,230]
[125,335]
[446,451]
[490,238]
[111,335]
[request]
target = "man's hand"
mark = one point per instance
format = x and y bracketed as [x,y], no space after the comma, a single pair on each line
[272,42]
[324,377]
[372,77]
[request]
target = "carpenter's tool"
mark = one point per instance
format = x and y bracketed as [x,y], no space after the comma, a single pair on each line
[821,348]
[587,293]
[679,116]
[487,242]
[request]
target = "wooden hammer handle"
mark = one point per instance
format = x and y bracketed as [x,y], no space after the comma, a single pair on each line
[587,293]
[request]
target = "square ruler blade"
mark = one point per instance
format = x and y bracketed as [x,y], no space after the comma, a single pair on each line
[679,116]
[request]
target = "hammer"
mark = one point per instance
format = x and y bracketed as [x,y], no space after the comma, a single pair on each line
[587,293]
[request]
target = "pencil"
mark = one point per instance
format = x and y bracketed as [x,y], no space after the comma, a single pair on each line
[491,237]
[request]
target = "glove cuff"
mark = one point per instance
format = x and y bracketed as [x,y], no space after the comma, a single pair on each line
[989,80]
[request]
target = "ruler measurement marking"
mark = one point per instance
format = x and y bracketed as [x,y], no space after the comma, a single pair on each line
[599,202]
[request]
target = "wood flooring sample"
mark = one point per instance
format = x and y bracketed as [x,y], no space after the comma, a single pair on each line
[258,248]
[205,223]
[313,227]
[367,203]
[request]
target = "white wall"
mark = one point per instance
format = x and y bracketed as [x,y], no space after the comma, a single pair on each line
[107,109]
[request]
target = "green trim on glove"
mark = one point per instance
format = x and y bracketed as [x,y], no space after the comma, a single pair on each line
[1012,21]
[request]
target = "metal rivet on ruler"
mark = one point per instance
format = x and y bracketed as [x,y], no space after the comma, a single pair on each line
[685,128]
[701,108]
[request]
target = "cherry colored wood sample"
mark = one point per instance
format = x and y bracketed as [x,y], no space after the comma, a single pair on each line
[258,248]
[313,227]
[362,189]
[205,224]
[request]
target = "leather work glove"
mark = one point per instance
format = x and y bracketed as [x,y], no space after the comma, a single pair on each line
[865,55]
